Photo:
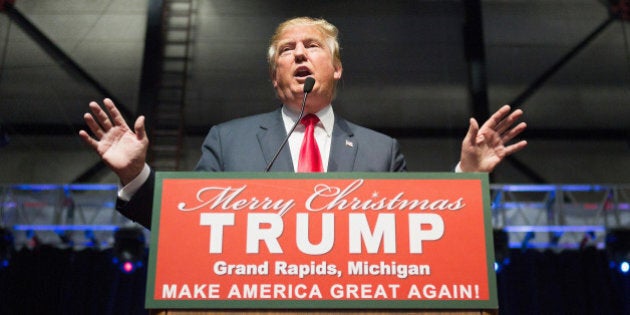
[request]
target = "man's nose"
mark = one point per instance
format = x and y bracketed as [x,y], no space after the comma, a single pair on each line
[299,52]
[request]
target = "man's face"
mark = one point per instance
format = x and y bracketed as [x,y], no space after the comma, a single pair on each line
[302,52]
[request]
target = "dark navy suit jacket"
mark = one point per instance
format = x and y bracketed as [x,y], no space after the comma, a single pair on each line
[248,145]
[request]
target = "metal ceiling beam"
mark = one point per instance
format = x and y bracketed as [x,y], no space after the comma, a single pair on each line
[151,63]
[70,66]
[59,56]
[536,84]
[544,77]
[148,83]
[474,49]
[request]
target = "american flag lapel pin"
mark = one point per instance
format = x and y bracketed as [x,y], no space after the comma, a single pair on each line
[349,143]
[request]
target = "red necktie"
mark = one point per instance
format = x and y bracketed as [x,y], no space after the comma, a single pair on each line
[310,159]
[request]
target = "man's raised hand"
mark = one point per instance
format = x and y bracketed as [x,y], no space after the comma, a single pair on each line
[123,150]
[484,148]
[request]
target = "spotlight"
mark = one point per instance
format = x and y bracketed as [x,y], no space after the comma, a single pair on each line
[129,248]
[618,248]
[6,247]
[501,249]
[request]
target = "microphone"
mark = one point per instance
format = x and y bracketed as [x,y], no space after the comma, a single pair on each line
[309,83]
[308,87]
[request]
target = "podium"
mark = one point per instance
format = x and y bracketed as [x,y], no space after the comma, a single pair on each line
[333,243]
[418,312]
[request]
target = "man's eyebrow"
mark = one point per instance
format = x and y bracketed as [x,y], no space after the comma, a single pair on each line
[285,42]
[306,40]
[314,39]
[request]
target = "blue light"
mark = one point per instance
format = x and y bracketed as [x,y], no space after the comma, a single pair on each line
[555,228]
[93,187]
[36,187]
[527,188]
[549,188]
[66,227]
[44,187]
[624,267]
[500,265]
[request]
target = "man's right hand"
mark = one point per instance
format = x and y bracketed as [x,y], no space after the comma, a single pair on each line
[122,149]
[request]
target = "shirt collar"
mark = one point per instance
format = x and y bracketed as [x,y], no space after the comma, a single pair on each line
[326,117]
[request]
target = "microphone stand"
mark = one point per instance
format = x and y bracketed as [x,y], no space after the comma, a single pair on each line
[308,87]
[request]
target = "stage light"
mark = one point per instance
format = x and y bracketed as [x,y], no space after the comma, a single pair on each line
[129,249]
[6,247]
[498,267]
[618,248]
[501,249]
[128,267]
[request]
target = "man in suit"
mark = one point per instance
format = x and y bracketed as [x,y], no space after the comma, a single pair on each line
[300,48]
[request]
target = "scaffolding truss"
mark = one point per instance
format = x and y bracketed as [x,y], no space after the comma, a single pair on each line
[559,216]
[534,216]
[76,215]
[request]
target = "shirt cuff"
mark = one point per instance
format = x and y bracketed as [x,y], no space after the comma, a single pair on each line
[458,168]
[125,193]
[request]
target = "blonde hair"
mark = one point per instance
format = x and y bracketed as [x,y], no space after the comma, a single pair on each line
[329,31]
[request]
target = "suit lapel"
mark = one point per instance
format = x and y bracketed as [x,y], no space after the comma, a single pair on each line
[343,147]
[270,137]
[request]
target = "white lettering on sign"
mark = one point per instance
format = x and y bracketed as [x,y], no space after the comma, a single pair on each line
[190,291]
[417,235]
[327,197]
[324,198]
[402,271]
[227,198]
[364,291]
[267,228]
[216,221]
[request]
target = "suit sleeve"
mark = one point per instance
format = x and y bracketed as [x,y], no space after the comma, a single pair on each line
[211,152]
[140,207]
[398,162]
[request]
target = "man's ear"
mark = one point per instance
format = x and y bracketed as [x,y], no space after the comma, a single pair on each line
[338,71]
[272,76]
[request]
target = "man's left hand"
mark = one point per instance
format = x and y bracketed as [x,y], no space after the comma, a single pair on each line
[484,148]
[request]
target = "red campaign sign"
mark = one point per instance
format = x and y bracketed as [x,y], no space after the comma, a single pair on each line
[319,242]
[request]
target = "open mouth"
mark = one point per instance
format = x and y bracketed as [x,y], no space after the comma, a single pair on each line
[302,72]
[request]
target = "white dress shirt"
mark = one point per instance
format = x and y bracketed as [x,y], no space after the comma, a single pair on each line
[323,133]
